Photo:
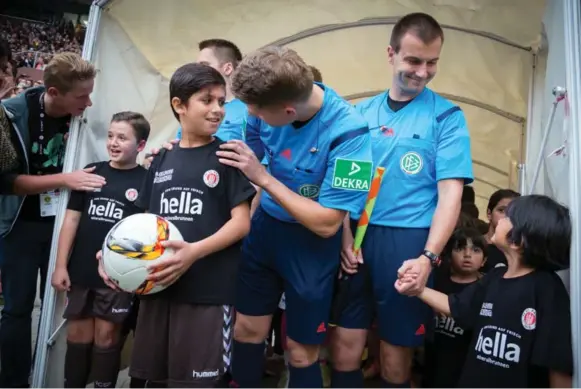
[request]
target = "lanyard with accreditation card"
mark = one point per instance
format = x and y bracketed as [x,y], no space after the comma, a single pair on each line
[48,200]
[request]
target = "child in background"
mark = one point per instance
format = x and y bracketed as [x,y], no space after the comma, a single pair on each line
[465,254]
[519,315]
[494,212]
[95,312]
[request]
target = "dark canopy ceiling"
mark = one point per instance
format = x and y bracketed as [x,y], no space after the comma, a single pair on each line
[40,9]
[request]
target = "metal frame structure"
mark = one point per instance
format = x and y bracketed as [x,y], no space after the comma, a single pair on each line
[572,23]
[560,94]
[51,326]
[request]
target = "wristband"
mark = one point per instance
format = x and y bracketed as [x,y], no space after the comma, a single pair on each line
[434,258]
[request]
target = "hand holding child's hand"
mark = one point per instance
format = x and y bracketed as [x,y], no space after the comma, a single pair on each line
[404,284]
[408,281]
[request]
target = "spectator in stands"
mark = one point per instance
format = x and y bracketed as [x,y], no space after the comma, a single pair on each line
[7,70]
[43,40]
[8,154]
[40,64]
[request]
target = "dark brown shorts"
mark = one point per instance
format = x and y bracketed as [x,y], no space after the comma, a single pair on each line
[183,345]
[103,303]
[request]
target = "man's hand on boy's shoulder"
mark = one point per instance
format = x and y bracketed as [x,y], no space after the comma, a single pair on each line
[149,156]
[238,154]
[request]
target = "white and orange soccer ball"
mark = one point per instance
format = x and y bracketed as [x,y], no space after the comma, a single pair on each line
[131,245]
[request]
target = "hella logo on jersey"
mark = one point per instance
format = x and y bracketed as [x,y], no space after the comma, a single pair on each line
[447,326]
[495,344]
[105,208]
[180,202]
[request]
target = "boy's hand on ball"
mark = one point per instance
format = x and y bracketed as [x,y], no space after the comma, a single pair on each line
[104,275]
[166,271]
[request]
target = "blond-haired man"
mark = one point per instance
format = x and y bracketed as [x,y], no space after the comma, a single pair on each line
[38,123]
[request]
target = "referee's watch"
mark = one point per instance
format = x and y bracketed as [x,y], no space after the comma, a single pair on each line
[434,258]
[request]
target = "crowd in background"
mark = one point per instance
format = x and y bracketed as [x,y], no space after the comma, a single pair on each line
[34,43]
[27,38]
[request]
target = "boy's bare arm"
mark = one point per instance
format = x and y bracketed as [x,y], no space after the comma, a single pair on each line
[437,300]
[67,237]
[560,380]
[256,200]
[233,231]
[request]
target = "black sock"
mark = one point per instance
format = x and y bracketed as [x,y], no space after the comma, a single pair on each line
[77,364]
[137,383]
[106,362]
[305,377]
[247,364]
[347,379]
[387,384]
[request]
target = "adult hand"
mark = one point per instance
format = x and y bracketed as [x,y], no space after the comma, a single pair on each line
[413,276]
[149,156]
[166,271]
[237,154]
[349,261]
[60,279]
[84,180]
[104,275]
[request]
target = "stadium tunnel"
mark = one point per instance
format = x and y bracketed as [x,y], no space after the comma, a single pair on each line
[500,62]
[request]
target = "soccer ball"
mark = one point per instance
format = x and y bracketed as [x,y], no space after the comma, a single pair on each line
[129,247]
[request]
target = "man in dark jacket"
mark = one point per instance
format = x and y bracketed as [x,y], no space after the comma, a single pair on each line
[36,123]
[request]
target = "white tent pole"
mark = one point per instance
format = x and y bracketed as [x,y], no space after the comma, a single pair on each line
[572,22]
[522,178]
[45,336]
[559,93]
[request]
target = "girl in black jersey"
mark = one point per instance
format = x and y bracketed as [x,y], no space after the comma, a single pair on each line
[519,315]
[95,313]
[464,256]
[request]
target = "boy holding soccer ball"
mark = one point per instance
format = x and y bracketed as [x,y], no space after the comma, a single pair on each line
[183,333]
[96,313]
